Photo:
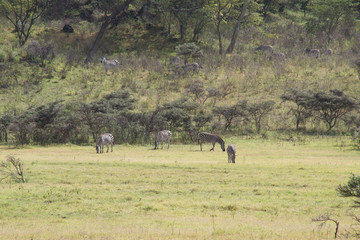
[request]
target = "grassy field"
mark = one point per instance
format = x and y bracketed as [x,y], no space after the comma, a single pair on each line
[273,191]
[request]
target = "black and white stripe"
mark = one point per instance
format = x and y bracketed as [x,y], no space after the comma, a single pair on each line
[194,67]
[104,139]
[265,48]
[208,137]
[109,64]
[162,137]
[312,52]
[231,151]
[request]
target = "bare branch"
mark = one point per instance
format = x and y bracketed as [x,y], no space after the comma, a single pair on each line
[324,218]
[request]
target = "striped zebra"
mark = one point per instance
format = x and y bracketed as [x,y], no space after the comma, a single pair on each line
[104,139]
[163,136]
[312,52]
[278,55]
[329,52]
[208,137]
[265,48]
[194,67]
[175,60]
[231,151]
[108,64]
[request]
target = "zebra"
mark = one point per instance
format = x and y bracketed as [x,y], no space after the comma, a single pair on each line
[265,48]
[175,60]
[278,55]
[162,136]
[329,52]
[104,139]
[110,64]
[312,52]
[208,137]
[191,66]
[231,151]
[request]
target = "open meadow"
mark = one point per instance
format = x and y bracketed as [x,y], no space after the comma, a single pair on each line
[273,191]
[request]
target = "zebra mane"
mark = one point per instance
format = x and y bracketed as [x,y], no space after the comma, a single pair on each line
[219,139]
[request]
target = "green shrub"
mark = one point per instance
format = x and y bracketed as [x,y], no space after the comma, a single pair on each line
[351,189]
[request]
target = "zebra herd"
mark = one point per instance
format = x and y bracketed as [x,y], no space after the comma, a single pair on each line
[279,55]
[175,62]
[165,136]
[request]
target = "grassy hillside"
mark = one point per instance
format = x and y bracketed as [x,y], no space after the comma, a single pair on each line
[144,51]
[273,191]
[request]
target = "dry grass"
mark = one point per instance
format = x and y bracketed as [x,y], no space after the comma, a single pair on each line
[272,192]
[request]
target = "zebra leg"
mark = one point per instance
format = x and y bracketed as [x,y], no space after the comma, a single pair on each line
[213,147]
[112,147]
[168,144]
[102,148]
[200,146]
[107,147]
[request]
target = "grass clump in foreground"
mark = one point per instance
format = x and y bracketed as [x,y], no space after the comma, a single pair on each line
[272,192]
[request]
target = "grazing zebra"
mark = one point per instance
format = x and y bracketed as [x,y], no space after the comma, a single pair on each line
[313,52]
[231,151]
[162,136]
[278,55]
[191,66]
[208,137]
[329,52]
[110,64]
[104,139]
[175,60]
[265,48]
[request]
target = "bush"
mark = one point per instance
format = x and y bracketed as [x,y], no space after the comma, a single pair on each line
[12,167]
[351,189]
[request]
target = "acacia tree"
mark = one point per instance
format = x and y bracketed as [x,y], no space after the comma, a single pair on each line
[231,112]
[228,12]
[22,15]
[301,111]
[258,110]
[328,14]
[332,106]
[220,11]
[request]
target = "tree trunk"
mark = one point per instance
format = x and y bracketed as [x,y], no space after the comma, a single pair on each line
[220,41]
[116,13]
[237,28]
[96,43]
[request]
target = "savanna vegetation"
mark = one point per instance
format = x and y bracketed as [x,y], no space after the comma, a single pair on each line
[54,90]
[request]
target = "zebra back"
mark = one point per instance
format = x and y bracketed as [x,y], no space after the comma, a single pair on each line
[164,135]
[209,137]
[103,139]
[231,151]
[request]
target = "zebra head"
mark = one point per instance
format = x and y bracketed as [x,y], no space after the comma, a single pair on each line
[97,148]
[223,146]
[103,59]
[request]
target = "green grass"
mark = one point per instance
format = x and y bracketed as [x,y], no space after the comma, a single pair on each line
[272,192]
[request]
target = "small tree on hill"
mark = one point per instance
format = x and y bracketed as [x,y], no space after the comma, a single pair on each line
[187,50]
[22,14]
[257,111]
[231,112]
[327,15]
[332,106]
[301,111]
